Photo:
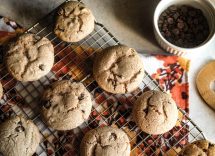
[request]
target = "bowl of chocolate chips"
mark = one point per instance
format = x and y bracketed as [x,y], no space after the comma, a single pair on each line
[184,26]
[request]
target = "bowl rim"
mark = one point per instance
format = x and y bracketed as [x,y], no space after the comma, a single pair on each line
[210,38]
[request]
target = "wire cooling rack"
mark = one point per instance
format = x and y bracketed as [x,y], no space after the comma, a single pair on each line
[73,61]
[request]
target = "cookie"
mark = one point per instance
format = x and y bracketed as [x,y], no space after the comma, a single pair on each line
[66,105]
[30,57]
[199,148]
[18,137]
[105,141]
[204,79]
[155,112]
[74,22]
[118,69]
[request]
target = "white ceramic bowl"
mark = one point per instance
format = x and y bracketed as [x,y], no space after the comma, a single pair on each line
[208,9]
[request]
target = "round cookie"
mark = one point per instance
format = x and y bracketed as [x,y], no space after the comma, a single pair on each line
[155,112]
[74,22]
[205,77]
[66,105]
[118,69]
[199,148]
[30,57]
[105,141]
[19,137]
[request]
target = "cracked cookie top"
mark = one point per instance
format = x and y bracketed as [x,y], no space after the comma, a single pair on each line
[66,105]
[74,22]
[155,112]
[30,57]
[199,148]
[18,137]
[105,141]
[118,69]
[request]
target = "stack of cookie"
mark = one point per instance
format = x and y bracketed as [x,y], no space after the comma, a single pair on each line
[66,105]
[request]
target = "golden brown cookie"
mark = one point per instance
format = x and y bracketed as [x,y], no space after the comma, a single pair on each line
[30,57]
[19,137]
[204,79]
[155,112]
[118,69]
[66,105]
[105,141]
[74,22]
[199,148]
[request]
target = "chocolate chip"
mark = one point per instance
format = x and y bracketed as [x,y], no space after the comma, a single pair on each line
[47,104]
[20,129]
[162,33]
[194,30]
[146,111]
[19,123]
[180,25]
[81,97]
[188,36]
[184,9]
[211,145]
[200,27]
[170,20]
[165,28]
[192,13]
[185,27]
[179,41]
[195,21]
[160,22]
[176,31]
[173,8]
[164,14]
[180,20]
[206,32]
[176,15]
[61,11]
[112,137]
[200,37]
[167,34]
[42,67]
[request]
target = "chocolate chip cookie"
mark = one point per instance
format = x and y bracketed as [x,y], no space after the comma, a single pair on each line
[155,112]
[118,69]
[74,22]
[30,57]
[105,141]
[66,105]
[199,148]
[18,137]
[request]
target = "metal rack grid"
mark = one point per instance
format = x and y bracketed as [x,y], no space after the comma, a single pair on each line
[73,61]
